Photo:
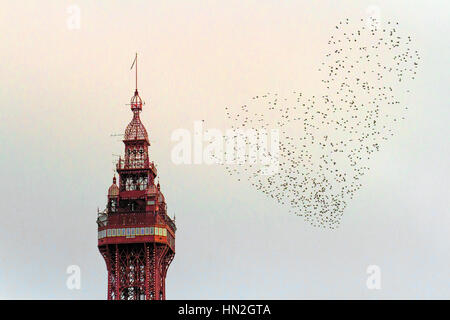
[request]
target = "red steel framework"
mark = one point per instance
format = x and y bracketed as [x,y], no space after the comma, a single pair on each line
[136,237]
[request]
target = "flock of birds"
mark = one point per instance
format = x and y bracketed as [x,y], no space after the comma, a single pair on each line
[325,141]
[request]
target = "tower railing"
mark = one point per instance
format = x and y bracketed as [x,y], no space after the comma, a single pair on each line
[123,165]
[136,218]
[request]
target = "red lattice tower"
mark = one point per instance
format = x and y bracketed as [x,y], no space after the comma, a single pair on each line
[136,237]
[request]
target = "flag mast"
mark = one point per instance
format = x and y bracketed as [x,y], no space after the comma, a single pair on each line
[135,62]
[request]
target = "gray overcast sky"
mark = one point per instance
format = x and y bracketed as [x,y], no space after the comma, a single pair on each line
[63,92]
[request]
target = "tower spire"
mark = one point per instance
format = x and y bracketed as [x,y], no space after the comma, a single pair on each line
[136,101]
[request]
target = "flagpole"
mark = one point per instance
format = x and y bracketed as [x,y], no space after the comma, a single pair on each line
[136,70]
[132,65]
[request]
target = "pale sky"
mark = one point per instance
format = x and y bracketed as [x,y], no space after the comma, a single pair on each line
[64,91]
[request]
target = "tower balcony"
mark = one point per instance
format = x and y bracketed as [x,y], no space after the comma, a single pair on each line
[133,218]
[124,165]
[137,227]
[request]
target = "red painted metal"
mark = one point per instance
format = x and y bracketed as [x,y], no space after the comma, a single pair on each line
[136,235]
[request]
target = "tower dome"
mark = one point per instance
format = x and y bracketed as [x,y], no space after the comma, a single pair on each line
[136,102]
[135,129]
[113,191]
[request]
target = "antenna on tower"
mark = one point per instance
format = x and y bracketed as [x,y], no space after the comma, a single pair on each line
[116,135]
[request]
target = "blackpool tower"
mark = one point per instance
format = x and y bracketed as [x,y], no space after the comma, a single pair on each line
[136,237]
